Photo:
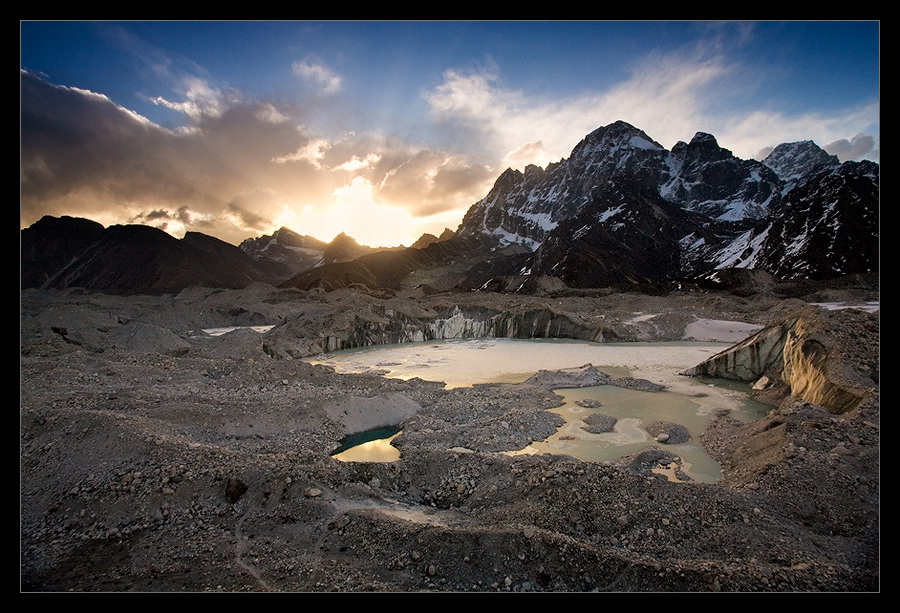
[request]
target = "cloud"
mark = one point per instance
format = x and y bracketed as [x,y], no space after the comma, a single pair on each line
[311,152]
[201,99]
[355,163]
[477,116]
[856,148]
[233,174]
[755,134]
[669,96]
[529,153]
[59,125]
[355,210]
[176,222]
[82,154]
[432,182]
[665,96]
[318,74]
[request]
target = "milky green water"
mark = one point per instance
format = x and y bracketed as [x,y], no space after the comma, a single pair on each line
[688,401]
[632,410]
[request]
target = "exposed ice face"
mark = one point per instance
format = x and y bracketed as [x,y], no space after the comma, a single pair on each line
[221,331]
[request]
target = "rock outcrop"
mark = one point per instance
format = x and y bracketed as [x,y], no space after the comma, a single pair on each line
[362,413]
[581,376]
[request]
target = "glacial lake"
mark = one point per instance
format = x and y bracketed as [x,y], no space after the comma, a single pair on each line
[688,401]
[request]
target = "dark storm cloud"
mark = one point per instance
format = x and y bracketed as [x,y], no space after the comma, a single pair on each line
[80,147]
[246,208]
[158,215]
[81,151]
[231,173]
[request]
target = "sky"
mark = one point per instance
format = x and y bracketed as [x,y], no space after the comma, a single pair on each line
[386,130]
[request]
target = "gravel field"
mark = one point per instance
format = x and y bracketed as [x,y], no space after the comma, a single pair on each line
[157,458]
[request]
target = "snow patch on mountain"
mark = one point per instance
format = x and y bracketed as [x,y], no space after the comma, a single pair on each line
[610,213]
[541,220]
[743,251]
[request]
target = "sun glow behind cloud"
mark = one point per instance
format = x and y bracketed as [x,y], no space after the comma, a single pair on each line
[356,212]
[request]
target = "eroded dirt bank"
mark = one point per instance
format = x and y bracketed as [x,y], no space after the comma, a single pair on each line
[157,458]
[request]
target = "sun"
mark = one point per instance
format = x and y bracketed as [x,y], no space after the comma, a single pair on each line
[354,211]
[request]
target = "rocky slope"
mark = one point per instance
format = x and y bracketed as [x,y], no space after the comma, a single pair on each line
[157,458]
[623,209]
[129,259]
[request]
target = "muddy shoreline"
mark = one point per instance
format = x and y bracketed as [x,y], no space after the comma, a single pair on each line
[155,458]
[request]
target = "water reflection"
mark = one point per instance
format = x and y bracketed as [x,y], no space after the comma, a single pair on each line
[370,446]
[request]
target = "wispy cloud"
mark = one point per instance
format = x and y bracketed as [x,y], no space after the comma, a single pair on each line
[317,73]
[200,99]
[670,97]
[311,152]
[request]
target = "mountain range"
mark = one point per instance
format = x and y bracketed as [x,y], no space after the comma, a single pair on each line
[621,209]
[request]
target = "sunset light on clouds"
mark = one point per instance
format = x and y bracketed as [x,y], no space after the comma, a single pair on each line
[387,130]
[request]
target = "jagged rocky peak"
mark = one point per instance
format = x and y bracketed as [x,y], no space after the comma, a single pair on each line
[609,139]
[533,172]
[703,146]
[345,248]
[282,237]
[509,178]
[424,240]
[286,236]
[862,168]
[428,238]
[828,223]
[704,137]
[708,179]
[284,253]
[611,193]
[344,239]
[792,161]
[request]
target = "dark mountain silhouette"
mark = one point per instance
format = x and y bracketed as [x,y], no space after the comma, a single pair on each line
[51,244]
[128,259]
